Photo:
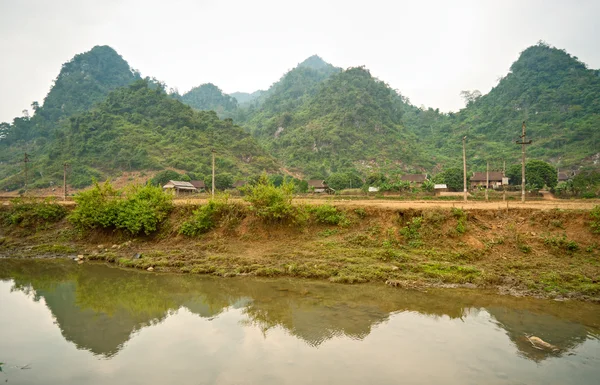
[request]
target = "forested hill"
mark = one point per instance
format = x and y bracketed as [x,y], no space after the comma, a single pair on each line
[555,93]
[140,127]
[344,121]
[82,82]
[85,81]
[209,97]
[350,122]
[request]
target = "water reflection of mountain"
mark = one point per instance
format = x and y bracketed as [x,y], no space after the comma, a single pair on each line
[99,307]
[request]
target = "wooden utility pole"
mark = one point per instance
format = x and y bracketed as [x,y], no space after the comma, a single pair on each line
[487,179]
[523,143]
[65,166]
[464,170]
[213,173]
[503,176]
[26,160]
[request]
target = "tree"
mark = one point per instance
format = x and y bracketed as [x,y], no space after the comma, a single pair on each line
[588,180]
[452,177]
[165,176]
[470,96]
[539,174]
[223,181]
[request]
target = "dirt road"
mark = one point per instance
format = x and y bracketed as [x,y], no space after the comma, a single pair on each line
[469,205]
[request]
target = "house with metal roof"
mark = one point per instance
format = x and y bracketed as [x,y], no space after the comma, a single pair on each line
[319,186]
[496,179]
[178,187]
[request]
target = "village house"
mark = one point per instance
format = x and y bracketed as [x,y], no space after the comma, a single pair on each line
[239,183]
[563,177]
[180,187]
[440,188]
[199,184]
[496,179]
[416,179]
[319,186]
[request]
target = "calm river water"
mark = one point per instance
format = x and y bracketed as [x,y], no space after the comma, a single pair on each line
[63,323]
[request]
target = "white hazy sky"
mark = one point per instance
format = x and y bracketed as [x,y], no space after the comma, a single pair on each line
[428,50]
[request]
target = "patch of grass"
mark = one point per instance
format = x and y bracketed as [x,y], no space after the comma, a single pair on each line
[328,232]
[561,242]
[461,220]
[449,273]
[54,249]
[330,215]
[360,240]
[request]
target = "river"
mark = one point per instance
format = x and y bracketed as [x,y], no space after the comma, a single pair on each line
[64,323]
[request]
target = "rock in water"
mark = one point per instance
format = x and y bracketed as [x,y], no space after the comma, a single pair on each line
[150,268]
[539,343]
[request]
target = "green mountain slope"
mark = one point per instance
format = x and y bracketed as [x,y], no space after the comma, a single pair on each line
[85,81]
[352,121]
[209,97]
[141,128]
[244,98]
[553,92]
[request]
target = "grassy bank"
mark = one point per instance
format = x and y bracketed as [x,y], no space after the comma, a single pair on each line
[550,253]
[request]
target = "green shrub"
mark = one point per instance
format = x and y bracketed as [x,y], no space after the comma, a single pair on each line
[270,203]
[411,230]
[144,208]
[329,215]
[595,223]
[96,207]
[28,213]
[215,212]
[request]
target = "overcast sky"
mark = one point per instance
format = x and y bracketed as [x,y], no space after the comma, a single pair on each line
[428,50]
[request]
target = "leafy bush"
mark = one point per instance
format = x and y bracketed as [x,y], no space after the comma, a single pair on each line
[595,223]
[28,213]
[144,208]
[428,186]
[270,203]
[96,207]
[210,215]
[330,215]
[411,230]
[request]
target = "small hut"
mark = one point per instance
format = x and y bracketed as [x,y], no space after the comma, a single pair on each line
[319,186]
[199,184]
[180,187]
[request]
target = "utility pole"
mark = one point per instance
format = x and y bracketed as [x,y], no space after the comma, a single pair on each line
[26,160]
[65,166]
[464,170]
[487,179]
[503,185]
[213,173]
[523,143]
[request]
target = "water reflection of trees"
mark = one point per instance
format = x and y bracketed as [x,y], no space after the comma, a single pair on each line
[99,307]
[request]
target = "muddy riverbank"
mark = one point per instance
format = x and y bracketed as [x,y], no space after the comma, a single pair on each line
[522,251]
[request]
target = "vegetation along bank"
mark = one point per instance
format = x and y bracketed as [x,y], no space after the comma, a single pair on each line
[549,253]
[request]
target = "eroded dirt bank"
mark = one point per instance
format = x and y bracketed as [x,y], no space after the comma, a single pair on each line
[522,251]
